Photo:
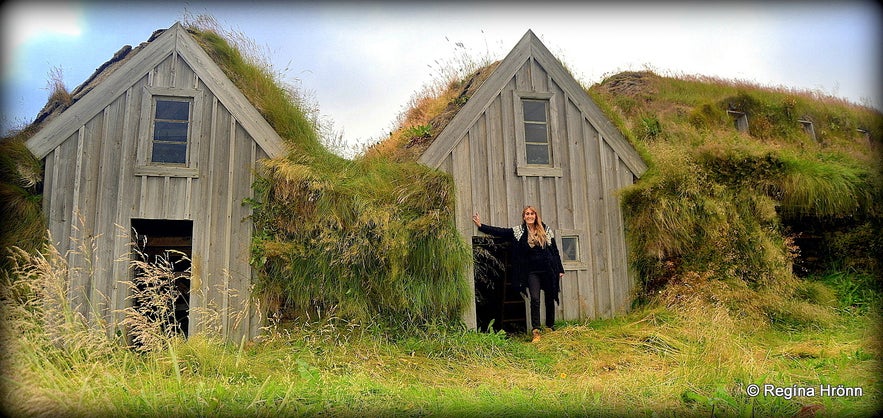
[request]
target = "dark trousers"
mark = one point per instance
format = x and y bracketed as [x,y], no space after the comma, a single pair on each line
[535,281]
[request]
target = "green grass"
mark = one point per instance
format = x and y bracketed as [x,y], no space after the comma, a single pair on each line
[727,204]
[667,361]
[693,350]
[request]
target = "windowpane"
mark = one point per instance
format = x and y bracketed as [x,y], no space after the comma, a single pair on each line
[536,133]
[570,248]
[170,131]
[537,154]
[169,152]
[534,110]
[172,110]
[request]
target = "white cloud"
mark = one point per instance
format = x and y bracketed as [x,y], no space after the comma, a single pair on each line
[24,22]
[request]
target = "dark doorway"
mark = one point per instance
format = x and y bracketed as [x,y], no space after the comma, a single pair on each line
[167,244]
[498,304]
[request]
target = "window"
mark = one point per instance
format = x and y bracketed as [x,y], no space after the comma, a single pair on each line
[570,248]
[866,134]
[536,135]
[808,127]
[536,131]
[168,137]
[740,120]
[171,125]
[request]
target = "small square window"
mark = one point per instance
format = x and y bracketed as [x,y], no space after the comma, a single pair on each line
[808,128]
[740,120]
[570,248]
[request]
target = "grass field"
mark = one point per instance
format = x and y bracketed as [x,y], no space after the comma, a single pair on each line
[684,354]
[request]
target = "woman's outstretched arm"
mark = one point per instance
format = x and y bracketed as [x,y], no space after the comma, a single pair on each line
[492,230]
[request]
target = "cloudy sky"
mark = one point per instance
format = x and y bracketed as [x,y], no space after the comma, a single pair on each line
[361,62]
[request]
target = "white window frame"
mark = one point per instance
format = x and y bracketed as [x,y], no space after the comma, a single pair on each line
[145,165]
[522,168]
[581,262]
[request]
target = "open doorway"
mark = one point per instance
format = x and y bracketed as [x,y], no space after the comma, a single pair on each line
[498,304]
[167,244]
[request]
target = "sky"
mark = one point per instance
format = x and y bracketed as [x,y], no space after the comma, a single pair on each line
[361,63]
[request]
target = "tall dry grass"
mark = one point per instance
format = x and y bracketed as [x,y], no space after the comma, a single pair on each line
[692,352]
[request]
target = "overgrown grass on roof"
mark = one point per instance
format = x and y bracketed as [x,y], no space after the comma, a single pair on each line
[727,204]
[21,222]
[433,107]
[370,240]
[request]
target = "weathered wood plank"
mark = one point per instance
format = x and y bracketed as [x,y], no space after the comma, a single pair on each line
[79,281]
[461,169]
[125,204]
[559,144]
[239,233]
[104,210]
[539,80]
[626,179]
[617,256]
[201,277]
[607,181]
[495,165]
[53,203]
[579,193]
[513,183]
[597,231]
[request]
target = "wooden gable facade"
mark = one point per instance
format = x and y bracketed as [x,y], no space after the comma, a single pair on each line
[167,143]
[501,161]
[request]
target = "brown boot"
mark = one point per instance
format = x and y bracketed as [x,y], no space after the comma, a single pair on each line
[536,335]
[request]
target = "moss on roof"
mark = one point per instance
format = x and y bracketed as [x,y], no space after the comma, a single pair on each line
[734,205]
[362,240]
[428,116]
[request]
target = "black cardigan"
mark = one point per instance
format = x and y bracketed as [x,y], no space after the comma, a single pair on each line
[520,256]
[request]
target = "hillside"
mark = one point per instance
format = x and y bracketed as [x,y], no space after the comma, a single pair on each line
[801,187]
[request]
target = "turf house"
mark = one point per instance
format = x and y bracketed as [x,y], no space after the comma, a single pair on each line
[160,142]
[530,135]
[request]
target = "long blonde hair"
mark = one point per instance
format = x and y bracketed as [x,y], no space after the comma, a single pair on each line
[538,226]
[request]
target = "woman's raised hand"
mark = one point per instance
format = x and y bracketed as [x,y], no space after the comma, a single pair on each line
[476,219]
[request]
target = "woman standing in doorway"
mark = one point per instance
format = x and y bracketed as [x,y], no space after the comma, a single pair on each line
[536,261]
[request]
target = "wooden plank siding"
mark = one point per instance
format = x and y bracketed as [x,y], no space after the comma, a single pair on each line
[93,188]
[479,149]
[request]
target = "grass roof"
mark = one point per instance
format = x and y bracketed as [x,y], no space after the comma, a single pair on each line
[734,205]
[428,114]
[369,240]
